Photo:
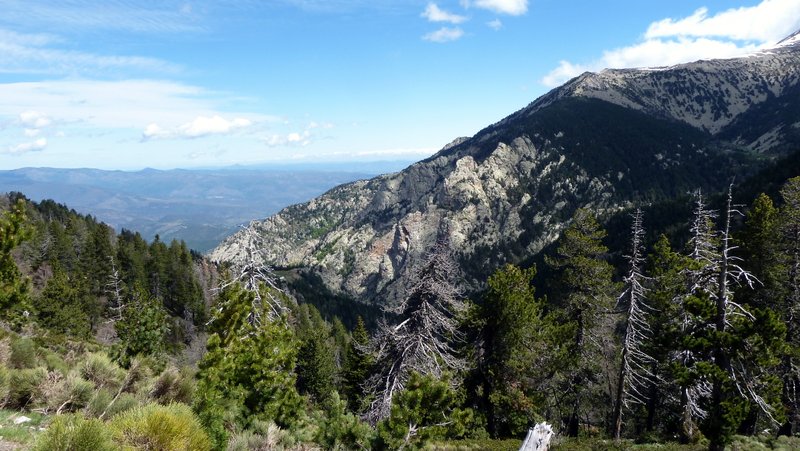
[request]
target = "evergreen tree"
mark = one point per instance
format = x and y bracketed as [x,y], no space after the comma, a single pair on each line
[248,370]
[316,368]
[143,327]
[789,303]
[357,367]
[65,306]
[585,296]
[515,368]
[14,289]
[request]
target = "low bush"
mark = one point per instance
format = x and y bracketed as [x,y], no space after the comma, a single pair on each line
[75,433]
[160,427]
[23,354]
[101,371]
[24,386]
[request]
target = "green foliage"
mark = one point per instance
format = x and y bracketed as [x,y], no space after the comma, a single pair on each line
[98,368]
[585,294]
[65,307]
[23,353]
[425,410]
[75,433]
[14,288]
[339,429]
[357,367]
[248,369]
[514,366]
[143,326]
[24,386]
[159,427]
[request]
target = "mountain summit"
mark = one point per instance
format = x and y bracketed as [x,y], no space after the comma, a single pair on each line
[604,140]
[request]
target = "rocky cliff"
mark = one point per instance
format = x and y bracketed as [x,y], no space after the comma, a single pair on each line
[603,141]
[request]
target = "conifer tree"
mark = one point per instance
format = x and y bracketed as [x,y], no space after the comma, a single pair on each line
[516,368]
[585,295]
[789,303]
[357,366]
[14,289]
[422,340]
[143,326]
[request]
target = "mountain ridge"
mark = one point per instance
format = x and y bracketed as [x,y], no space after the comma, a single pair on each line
[604,141]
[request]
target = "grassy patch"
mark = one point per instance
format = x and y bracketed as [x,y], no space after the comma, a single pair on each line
[24,433]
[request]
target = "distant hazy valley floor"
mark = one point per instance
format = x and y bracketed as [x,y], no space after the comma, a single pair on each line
[201,207]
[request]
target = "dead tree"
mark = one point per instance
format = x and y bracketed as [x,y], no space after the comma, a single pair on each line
[422,339]
[114,290]
[635,373]
[253,273]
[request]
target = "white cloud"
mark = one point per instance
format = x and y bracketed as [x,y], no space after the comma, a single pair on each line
[510,7]
[200,126]
[730,33]
[33,146]
[124,104]
[434,14]
[444,34]
[34,119]
[495,24]
[32,132]
[769,21]
[292,139]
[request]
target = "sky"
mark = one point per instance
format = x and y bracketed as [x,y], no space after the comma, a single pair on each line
[125,84]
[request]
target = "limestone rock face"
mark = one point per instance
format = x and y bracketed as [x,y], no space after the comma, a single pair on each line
[602,141]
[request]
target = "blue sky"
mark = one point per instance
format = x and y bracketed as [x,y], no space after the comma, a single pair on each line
[123,84]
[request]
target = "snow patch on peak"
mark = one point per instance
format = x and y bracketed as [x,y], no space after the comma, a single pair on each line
[792,39]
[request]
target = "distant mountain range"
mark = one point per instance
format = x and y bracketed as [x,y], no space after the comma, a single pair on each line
[200,207]
[605,141]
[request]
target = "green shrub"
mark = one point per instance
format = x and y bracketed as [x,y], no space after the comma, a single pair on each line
[24,386]
[23,353]
[100,370]
[72,393]
[173,385]
[54,362]
[75,433]
[99,403]
[159,427]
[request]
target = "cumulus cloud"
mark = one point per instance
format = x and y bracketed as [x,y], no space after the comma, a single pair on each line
[444,34]
[34,119]
[33,146]
[769,21]
[510,7]
[730,33]
[434,14]
[200,126]
[292,139]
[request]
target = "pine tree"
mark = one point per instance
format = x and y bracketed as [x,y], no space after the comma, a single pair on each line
[357,367]
[586,295]
[789,303]
[248,369]
[143,327]
[14,288]
[316,369]
[515,368]
[422,340]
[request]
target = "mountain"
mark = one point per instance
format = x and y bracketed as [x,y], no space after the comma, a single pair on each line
[201,207]
[604,140]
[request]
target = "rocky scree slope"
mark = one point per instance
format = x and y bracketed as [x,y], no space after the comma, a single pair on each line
[603,141]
